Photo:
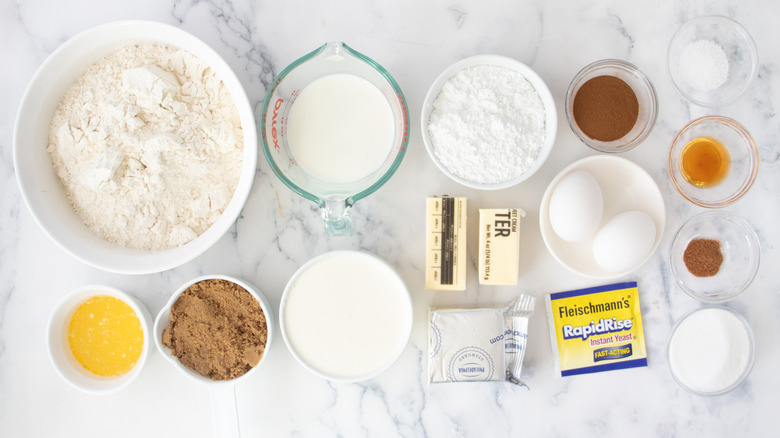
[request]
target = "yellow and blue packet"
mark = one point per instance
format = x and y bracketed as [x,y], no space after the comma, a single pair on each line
[596,329]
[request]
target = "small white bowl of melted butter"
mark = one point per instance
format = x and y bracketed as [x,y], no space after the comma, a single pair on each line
[99,339]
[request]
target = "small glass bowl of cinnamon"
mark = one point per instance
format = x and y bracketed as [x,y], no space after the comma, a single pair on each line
[611,105]
[713,161]
[714,256]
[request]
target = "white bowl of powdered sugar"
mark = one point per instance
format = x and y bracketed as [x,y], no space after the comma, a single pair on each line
[135,147]
[489,122]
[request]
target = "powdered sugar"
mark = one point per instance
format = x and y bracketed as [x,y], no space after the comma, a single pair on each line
[487,125]
[148,145]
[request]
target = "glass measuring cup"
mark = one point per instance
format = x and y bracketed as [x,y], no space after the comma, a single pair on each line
[334,198]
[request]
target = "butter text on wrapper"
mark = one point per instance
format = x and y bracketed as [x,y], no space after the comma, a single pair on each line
[499,245]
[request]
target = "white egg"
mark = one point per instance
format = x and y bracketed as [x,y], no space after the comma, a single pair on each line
[576,206]
[624,242]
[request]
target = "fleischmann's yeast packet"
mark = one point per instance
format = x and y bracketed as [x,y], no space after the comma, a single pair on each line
[596,329]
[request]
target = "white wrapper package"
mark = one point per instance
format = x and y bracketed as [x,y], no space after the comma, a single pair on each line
[478,344]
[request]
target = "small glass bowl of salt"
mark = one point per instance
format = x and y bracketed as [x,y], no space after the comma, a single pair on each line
[712,61]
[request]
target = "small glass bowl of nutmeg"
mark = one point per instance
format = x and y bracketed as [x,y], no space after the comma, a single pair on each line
[715,256]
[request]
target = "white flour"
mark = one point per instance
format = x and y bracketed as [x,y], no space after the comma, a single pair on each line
[487,124]
[148,145]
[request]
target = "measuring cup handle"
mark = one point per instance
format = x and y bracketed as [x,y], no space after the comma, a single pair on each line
[223,405]
[335,216]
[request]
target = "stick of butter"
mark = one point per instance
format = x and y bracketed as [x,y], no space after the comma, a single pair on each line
[499,245]
[445,257]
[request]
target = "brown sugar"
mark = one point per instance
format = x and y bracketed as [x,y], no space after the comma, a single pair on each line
[703,257]
[217,329]
[605,108]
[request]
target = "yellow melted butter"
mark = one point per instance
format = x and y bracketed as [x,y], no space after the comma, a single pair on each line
[105,336]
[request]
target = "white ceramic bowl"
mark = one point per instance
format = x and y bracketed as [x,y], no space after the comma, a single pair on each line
[625,186]
[550,115]
[223,399]
[359,345]
[739,48]
[164,317]
[40,186]
[61,356]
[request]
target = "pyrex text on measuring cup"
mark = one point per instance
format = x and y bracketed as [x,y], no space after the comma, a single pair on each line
[334,128]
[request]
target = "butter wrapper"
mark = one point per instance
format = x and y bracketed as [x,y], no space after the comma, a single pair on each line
[499,245]
[596,329]
[445,257]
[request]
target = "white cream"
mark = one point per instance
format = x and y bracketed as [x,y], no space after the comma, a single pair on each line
[346,315]
[341,128]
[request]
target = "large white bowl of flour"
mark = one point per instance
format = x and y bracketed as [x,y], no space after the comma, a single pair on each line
[50,204]
[489,122]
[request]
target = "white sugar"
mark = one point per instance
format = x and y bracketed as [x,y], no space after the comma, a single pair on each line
[704,65]
[710,350]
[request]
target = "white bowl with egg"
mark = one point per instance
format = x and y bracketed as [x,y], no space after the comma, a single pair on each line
[346,316]
[607,239]
[530,163]
[62,357]
[40,187]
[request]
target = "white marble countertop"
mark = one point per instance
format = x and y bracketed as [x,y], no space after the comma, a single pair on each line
[278,231]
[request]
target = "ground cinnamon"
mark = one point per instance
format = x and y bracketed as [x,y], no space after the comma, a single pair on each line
[703,257]
[605,108]
[217,329]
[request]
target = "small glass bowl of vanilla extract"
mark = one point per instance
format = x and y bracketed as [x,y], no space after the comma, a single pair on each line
[713,161]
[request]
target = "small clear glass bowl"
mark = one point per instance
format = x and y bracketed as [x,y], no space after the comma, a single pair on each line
[672,351]
[741,256]
[743,153]
[740,50]
[645,94]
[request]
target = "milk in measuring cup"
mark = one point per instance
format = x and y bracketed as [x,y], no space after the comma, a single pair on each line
[340,128]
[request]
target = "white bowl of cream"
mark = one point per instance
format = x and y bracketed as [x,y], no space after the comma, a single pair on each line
[346,316]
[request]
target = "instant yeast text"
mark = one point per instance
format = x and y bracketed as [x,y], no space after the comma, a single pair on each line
[596,329]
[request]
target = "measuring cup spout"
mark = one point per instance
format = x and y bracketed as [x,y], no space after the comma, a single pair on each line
[335,216]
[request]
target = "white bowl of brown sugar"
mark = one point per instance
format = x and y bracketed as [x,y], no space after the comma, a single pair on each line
[216,330]
[135,147]
[715,256]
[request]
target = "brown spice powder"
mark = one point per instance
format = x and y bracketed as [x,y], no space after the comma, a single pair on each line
[702,257]
[605,108]
[217,329]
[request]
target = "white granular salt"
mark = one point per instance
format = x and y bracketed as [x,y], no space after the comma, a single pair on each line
[710,350]
[148,146]
[487,125]
[704,65]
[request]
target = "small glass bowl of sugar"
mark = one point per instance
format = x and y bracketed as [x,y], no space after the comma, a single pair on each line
[711,350]
[712,61]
